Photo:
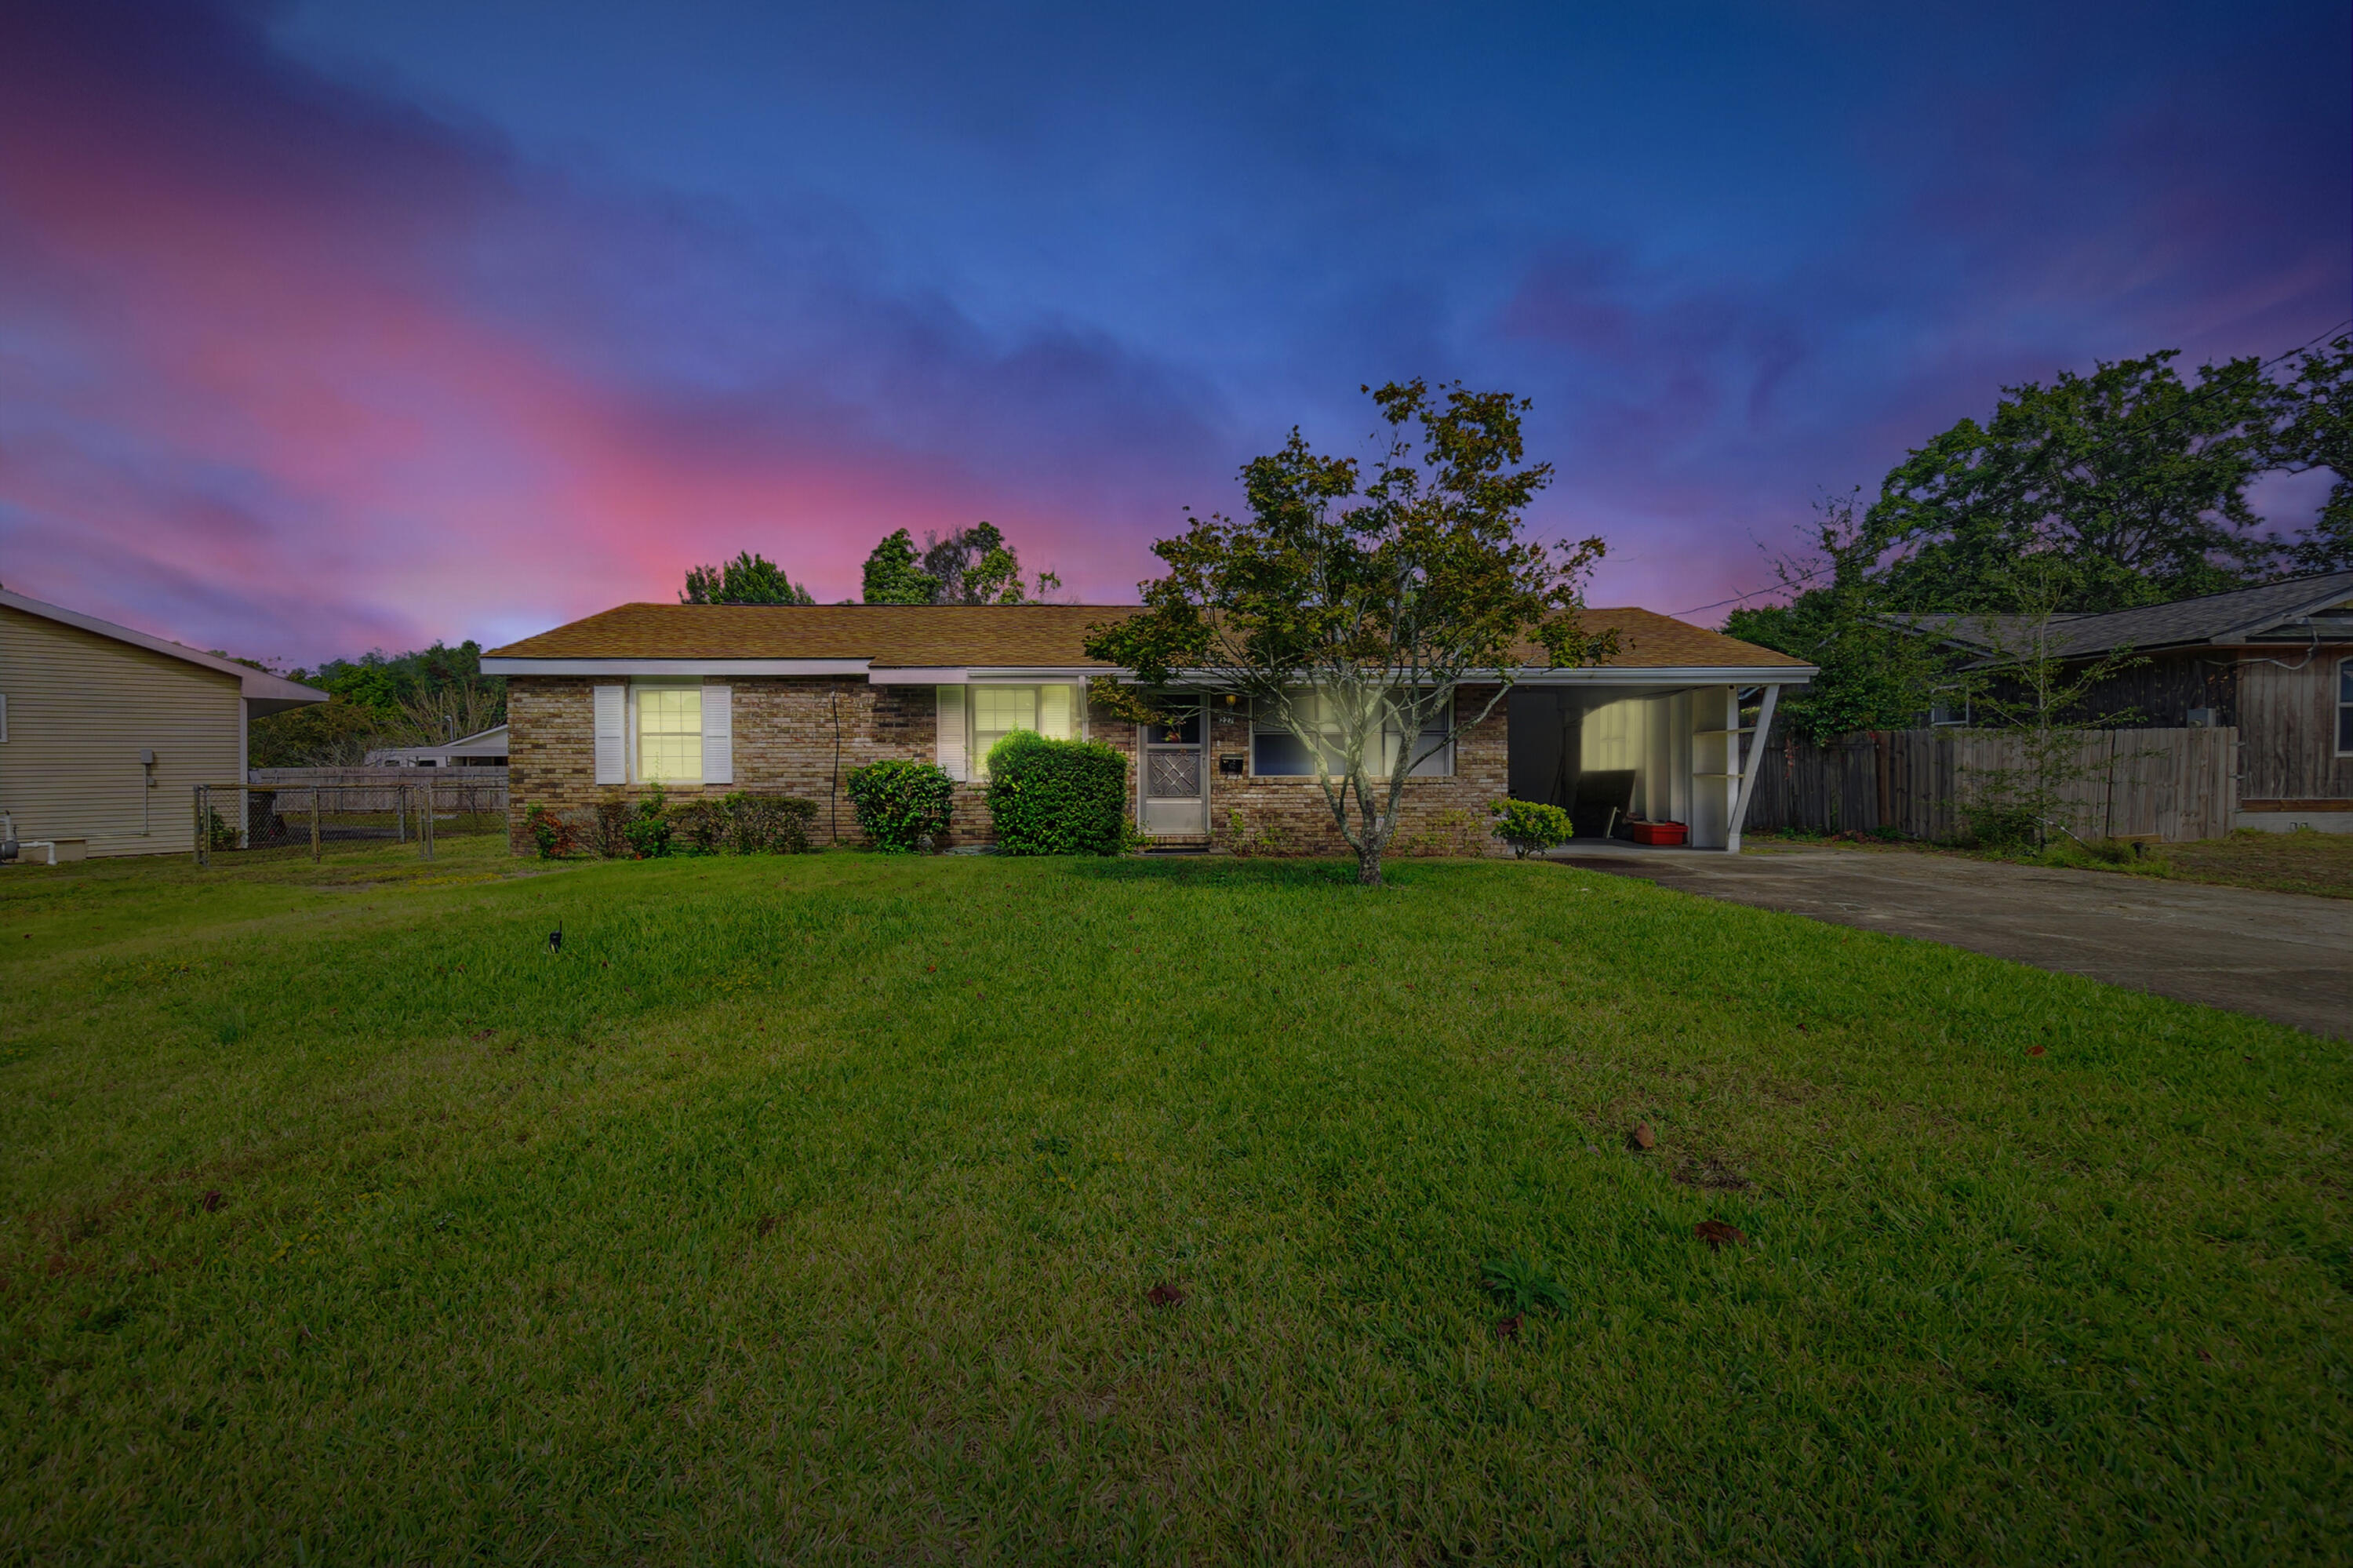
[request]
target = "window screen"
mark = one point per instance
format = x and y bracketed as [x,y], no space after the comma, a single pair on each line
[669,735]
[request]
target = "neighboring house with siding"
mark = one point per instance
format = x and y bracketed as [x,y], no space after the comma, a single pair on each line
[2274,662]
[104,730]
[791,699]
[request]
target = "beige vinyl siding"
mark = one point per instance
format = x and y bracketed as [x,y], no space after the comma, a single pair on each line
[81,707]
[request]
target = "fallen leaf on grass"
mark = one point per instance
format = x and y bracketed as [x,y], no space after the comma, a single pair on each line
[1716,1234]
[2034,1050]
[1164,1295]
[1641,1137]
[1508,1328]
[211,1201]
[767,1224]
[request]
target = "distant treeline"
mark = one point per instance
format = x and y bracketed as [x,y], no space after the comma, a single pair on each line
[379,699]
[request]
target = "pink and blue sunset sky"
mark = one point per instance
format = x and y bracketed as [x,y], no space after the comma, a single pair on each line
[327,325]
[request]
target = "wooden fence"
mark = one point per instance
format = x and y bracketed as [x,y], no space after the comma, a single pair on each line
[2165,783]
[379,789]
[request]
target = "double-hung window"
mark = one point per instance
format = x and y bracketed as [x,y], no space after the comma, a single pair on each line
[669,735]
[2345,707]
[999,710]
[1277,753]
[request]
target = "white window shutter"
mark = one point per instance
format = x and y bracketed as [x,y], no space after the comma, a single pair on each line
[612,734]
[951,744]
[718,736]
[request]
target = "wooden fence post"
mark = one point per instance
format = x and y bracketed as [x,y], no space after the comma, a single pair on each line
[315,793]
[204,807]
[426,832]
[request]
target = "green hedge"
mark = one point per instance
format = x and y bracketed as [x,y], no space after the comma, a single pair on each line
[743,824]
[1058,797]
[900,804]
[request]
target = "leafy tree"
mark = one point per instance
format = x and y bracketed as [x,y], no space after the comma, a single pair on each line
[1875,675]
[746,580]
[2039,703]
[894,575]
[2311,427]
[1352,602]
[970,565]
[2130,478]
[380,699]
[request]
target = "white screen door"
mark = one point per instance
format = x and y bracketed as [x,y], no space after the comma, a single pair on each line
[1177,773]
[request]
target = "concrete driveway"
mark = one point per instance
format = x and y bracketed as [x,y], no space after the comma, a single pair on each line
[2282,956]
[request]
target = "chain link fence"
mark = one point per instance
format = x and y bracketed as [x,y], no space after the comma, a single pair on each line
[247,820]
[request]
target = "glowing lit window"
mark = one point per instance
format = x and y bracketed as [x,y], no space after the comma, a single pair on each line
[998,711]
[669,735]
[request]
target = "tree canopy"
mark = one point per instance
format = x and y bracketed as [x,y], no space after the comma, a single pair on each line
[2130,478]
[749,579]
[969,565]
[2123,487]
[380,699]
[1353,599]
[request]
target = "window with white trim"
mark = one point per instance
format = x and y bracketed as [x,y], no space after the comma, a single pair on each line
[2345,707]
[1277,753]
[669,735]
[998,711]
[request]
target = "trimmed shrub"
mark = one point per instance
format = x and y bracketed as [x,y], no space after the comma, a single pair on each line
[1531,827]
[551,833]
[1058,797]
[771,824]
[740,823]
[648,828]
[902,806]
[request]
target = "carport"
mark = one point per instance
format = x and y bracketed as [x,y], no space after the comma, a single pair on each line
[1672,744]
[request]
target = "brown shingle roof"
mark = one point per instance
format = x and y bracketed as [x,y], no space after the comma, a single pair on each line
[1001,636]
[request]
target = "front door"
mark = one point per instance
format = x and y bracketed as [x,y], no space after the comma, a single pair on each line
[1176,775]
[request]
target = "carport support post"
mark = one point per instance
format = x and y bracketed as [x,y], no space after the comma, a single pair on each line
[1748,763]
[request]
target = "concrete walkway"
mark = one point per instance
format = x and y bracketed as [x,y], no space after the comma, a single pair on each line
[2282,956]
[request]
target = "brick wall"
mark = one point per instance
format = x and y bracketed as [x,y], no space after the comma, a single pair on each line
[786,734]
[1290,816]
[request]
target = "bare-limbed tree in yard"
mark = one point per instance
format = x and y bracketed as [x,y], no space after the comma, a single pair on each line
[1354,599]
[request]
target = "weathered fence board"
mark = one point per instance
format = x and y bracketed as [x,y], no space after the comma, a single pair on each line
[2164,783]
[380,789]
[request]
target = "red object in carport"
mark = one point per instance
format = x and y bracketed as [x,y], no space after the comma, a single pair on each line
[1658,832]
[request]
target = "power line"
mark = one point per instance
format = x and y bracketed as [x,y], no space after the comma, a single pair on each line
[2179,412]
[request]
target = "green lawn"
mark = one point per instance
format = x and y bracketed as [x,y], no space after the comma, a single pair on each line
[806,1208]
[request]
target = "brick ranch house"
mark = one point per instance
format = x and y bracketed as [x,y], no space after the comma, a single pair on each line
[790,699]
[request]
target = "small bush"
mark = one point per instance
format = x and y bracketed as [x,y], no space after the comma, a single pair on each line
[701,826]
[770,825]
[902,806]
[1531,827]
[648,828]
[1058,797]
[1998,827]
[553,836]
[611,831]
[734,823]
